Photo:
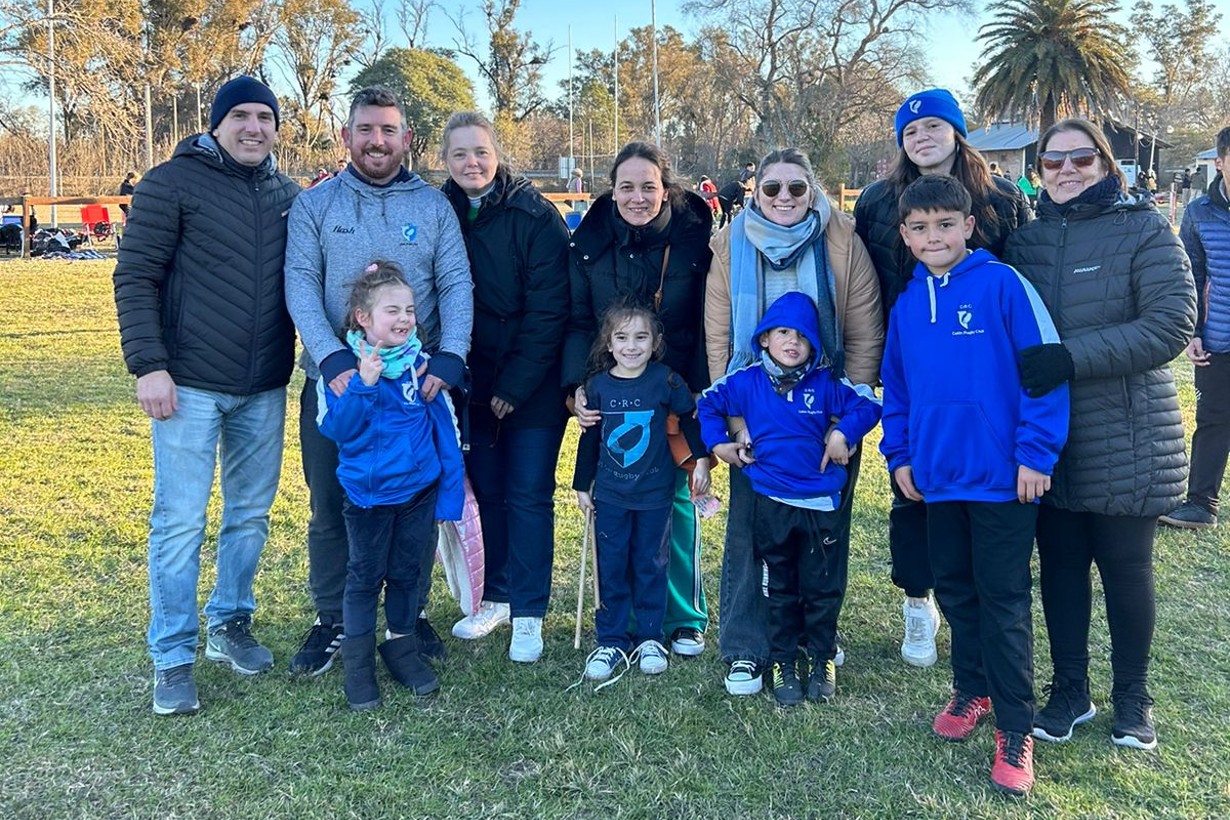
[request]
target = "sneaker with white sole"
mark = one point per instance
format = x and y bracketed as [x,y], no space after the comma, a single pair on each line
[743,678]
[175,691]
[232,643]
[687,641]
[922,622]
[651,657]
[603,662]
[526,644]
[490,615]
[319,650]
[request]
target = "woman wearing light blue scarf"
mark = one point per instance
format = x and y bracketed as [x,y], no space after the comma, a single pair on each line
[789,239]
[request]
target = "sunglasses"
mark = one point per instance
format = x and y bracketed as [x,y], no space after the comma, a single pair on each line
[773,187]
[1079,157]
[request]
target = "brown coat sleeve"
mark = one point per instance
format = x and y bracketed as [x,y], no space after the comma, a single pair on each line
[717,306]
[858,301]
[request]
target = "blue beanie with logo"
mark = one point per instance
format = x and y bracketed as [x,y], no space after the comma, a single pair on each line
[237,92]
[934,102]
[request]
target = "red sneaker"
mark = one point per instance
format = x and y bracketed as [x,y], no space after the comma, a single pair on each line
[1013,769]
[958,719]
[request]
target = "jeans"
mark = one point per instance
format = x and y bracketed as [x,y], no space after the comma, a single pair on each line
[246,432]
[632,555]
[389,547]
[1211,441]
[512,471]
[744,617]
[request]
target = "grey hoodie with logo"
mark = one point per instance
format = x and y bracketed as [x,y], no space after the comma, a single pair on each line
[341,226]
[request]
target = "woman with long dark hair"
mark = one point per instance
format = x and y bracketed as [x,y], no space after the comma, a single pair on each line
[646,242]
[931,137]
[1119,286]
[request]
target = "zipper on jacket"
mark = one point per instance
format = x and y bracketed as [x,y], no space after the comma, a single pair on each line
[258,282]
[1057,299]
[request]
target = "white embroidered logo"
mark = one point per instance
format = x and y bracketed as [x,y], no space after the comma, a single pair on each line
[915,105]
[964,316]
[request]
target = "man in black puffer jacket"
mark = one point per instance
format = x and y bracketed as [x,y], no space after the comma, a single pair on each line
[204,328]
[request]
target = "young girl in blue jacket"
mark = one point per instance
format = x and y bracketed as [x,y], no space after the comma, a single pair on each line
[400,464]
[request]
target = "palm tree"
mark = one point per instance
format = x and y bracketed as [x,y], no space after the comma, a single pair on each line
[1048,59]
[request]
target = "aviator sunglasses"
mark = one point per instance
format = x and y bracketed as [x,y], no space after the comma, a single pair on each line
[1080,158]
[773,187]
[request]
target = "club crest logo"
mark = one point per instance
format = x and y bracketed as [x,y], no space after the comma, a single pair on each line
[964,316]
[410,233]
[410,392]
[915,105]
[809,398]
[629,440]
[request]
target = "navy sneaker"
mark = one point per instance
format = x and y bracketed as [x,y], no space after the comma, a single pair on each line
[175,691]
[232,643]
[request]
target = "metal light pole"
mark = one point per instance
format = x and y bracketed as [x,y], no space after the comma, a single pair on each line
[657,106]
[199,128]
[615,31]
[51,108]
[572,160]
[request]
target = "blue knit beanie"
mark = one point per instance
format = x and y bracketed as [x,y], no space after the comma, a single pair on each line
[934,102]
[237,92]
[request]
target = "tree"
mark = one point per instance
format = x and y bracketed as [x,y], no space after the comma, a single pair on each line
[429,84]
[314,43]
[513,64]
[1048,59]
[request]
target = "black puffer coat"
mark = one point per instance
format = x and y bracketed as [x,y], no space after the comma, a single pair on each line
[1119,287]
[613,261]
[198,284]
[876,222]
[518,249]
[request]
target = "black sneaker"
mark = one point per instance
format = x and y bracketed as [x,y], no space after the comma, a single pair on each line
[784,681]
[232,643]
[430,645]
[687,641]
[175,691]
[1068,704]
[822,685]
[1190,516]
[320,646]
[1133,724]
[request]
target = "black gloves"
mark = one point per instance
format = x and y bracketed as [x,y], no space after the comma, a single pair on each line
[1045,367]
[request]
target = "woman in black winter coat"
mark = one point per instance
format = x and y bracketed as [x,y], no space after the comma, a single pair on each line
[1119,287]
[518,249]
[647,242]
[931,137]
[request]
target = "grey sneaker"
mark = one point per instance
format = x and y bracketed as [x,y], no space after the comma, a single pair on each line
[232,643]
[175,691]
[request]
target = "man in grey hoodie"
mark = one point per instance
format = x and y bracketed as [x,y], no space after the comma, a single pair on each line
[375,209]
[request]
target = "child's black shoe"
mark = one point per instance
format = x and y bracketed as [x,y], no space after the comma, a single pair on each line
[822,686]
[783,679]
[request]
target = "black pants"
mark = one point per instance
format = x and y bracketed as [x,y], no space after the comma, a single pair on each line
[907,544]
[328,546]
[1068,544]
[804,565]
[980,556]
[1211,441]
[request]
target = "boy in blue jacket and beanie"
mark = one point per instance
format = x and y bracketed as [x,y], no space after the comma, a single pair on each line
[962,434]
[400,464]
[804,422]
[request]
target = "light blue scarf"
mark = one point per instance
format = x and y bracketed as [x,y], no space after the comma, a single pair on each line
[397,360]
[796,250]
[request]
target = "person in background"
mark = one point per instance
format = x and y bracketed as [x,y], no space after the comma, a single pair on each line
[646,242]
[931,137]
[1119,286]
[730,199]
[204,328]
[126,189]
[518,250]
[376,209]
[1205,233]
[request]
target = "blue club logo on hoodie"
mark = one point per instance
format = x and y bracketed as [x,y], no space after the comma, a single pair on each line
[410,233]
[629,440]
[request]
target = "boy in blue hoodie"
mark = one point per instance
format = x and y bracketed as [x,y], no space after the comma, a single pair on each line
[962,434]
[804,422]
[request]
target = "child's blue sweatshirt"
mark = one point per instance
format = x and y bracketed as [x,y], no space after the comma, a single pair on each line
[954,408]
[788,431]
[392,444]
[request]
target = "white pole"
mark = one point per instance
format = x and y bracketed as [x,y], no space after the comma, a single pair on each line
[51,109]
[657,108]
[615,31]
[572,161]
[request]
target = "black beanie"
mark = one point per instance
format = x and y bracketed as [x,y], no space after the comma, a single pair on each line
[237,92]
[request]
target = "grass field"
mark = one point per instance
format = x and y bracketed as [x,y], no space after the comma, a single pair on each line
[78,739]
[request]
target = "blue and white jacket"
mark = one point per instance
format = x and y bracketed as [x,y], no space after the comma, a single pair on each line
[954,408]
[788,430]
[392,445]
[1206,238]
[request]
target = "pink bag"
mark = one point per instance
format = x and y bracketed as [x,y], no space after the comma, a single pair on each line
[460,551]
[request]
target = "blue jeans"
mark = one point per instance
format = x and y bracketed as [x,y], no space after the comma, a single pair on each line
[632,556]
[246,431]
[513,475]
[389,547]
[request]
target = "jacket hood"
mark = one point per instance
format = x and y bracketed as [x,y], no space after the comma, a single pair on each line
[973,259]
[794,310]
[205,148]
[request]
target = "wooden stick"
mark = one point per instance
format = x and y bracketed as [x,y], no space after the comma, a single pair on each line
[593,557]
[576,637]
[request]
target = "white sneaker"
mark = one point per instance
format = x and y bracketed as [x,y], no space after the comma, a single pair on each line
[922,622]
[489,616]
[603,662]
[743,678]
[652,657]
[526,645]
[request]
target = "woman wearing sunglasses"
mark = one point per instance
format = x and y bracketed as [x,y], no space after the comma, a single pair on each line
[1119,287]
[931,137]
[646,242]
[789,239]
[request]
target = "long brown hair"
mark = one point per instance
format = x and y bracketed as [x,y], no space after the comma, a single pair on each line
[970,169]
